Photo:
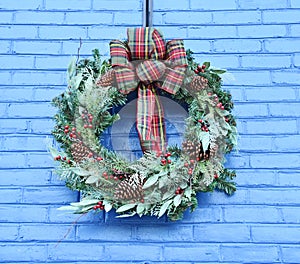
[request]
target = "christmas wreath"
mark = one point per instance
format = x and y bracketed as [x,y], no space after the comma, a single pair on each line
[166,178]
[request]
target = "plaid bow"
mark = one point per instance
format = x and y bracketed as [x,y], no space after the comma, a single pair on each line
[147,63]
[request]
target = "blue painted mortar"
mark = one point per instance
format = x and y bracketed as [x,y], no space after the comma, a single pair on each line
[257,41]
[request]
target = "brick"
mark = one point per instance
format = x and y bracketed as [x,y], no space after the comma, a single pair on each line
[18,32]
[237,17]
[222,233]
[283,234]
[25,252]
[3,110]
[12,160]
[5,77]
[66,5]
[10,195]
[16,62]
[290,253]
[49,195]
[290,214]
[37,78]
[14,126]
[256,143]
[280,16]
[71,47]
[251,110]
[289,179]
[23,143]
[250,78]
[88,18]
[43,232]
[237,161]
[225,61]
[107,33]
[274,196]
[282,45]
[182,17]
[141,252]
[191,252]
[36,47]
[23,213]
[198,46]
[254,4]
[8,232]
[30,110]
[271,94]
[285,110]
[212,32]
[219,5]
[295,4]
[40,18]
[118,5]
[171,32]
[286,77]
[237,45]
[274,161]
[251,214]
[104,233]
[36,160]
[62,32]
[203,214]
[263,178]
[4,46]
[272,127]
[261,253]
[127,18]
[76,252]
[295,30]
[25,177]
[46,94]
[262,31]
[161,233]
[219,198]
[297,59]
[12,5]
[6,17]
[169,5]
[41,126]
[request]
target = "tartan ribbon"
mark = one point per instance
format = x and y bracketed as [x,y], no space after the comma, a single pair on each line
[148,63]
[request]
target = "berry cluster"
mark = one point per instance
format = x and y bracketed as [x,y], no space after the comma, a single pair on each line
[190,166]
[166,160]
[87,119]
[200,68]
[99,206]
[204,125]
[111,176]
[64,159]
[179,191]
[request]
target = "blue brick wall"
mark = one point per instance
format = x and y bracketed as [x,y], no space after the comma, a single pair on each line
[258,41]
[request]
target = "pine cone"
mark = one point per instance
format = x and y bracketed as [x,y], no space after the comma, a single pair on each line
[107,79]
[130,189]
[199,83]
[79,152]
[213,150]
[194,150]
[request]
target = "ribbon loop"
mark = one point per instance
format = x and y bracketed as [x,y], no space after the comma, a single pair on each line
[146,60]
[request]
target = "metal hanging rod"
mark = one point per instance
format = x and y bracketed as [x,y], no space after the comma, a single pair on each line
[147,13]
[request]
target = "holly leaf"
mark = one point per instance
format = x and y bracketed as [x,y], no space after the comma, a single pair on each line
[151,181]
[125,207]
[217,71]
[207,64]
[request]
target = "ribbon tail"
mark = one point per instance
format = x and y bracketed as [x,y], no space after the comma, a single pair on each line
[150,120]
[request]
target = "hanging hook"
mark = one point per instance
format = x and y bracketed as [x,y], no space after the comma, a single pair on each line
[147,13]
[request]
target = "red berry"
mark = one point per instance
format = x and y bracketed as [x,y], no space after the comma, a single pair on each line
[104,174]
[66,131]
[206,130]
[169,154]
[203,128]
[83,116]
[111,176]
[74,129]
[190,172]
[58,157]
[64,158]
[99,158]
[176,192]
[216,176]
[199,67]
[198,159]
[66,127]
[200,121]
[202,70]
[209,94]
[101,207]
[186,164]
[179,189]
[90,155]
[95,207]
[222,107]
[90,126]
[163,161]
[196,71]
[169,161]
[142,200]
[192,161]
[71,135]
[69,161]
[85,126]
[203,66]
[100,203]
[219,105]
[226,119]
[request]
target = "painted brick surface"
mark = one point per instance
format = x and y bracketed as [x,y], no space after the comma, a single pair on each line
[257,41]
